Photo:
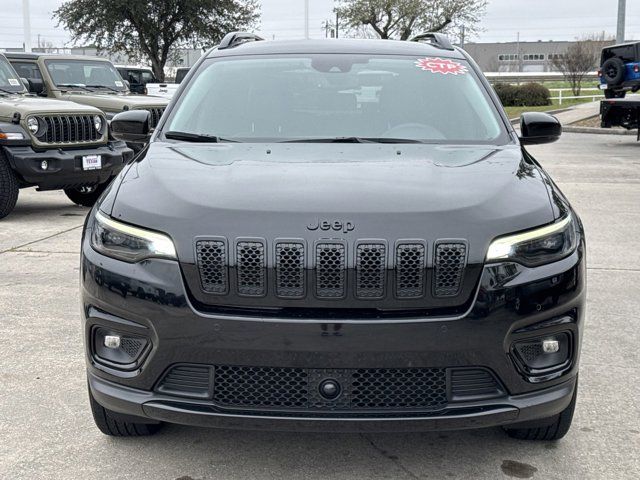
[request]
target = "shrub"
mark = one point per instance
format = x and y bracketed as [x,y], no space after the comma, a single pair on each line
[527,95]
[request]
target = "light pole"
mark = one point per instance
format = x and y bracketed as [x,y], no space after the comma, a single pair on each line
[26,25]
[306,19]
[622,7]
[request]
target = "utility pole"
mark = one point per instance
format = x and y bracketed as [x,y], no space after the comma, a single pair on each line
[306,19]
[462,37]
[26,25]
[518,53]
[336,24]
[622,7]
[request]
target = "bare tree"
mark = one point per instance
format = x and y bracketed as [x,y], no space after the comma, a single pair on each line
[403,19]
[579,59]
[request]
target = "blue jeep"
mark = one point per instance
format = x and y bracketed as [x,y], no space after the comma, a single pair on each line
[620,69]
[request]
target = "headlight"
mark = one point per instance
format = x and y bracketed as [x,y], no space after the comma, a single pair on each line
[127,243]
[537,247]
[97,123]
[33,125]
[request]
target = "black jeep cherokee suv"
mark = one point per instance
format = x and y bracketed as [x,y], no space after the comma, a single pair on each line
[338,234]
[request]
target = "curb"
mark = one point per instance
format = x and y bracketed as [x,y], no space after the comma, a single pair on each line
[596,130]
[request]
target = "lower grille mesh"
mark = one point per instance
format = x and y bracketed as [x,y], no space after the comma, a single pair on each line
[297,388]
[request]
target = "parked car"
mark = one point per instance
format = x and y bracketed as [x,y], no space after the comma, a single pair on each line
[52,145]
[138,78]
[334,251]
[620,69]
[167,90]
[86,80]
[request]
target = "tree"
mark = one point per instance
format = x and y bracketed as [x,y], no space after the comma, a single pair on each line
[404,19]
[154,28]
[580,58]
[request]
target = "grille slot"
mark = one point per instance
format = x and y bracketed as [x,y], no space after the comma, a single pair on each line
[450,260]
[69,129]
[154,118]
[290,265]
[371,266]
[410,270]
[281,388]
[212,265]
[187,381]
[250,264]
[473,383]
[331,261]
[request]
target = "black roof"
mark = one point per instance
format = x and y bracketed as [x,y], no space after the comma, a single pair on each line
[351,46]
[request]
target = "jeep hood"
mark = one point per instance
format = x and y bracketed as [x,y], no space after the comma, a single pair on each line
[114,101]
[385,191]
[26,105]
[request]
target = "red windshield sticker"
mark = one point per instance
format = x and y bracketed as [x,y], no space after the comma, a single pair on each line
[443,66]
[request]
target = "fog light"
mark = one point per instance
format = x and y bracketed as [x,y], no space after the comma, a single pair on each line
[543,353]
[550,346]
[119,349]
[112,341]
[44,165]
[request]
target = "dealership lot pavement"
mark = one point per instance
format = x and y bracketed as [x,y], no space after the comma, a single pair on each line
[46,430]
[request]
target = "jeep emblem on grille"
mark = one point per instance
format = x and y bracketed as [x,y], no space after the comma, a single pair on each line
[337,225]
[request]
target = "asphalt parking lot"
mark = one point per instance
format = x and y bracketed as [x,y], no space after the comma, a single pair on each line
[46,430]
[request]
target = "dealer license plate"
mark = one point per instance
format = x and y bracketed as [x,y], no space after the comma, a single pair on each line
[91,162]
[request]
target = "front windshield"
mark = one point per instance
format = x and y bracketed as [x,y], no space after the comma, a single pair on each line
[9,80]
[324,96]
[85,73]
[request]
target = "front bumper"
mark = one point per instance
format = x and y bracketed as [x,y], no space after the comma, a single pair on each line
[65,165]
[150,300]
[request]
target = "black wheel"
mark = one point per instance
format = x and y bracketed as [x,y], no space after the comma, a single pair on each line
[609,93]
[113,424]
[553,428]
[85,196]
[8,187]
[613,71]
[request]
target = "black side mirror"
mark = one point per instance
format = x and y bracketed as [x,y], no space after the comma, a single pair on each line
[127,84]
[539,127]
[131,126]
[25,82]
[36,86]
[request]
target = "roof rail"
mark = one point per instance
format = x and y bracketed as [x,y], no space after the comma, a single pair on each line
[437,40]
[234,39]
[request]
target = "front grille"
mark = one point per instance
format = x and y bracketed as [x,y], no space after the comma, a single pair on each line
[69,129]
[330,270]
[449,262]
[154,118]
[364,389]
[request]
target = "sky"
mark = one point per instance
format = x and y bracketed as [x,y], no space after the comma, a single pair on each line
[283,19]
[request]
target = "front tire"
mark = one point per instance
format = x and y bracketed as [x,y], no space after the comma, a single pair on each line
[552,428]
[9,188]
[85,196]
[112,424]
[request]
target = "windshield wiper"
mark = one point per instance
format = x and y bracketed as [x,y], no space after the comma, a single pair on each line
[73,85]
[104,86]
[195,137]
[354,140]
[8,91]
